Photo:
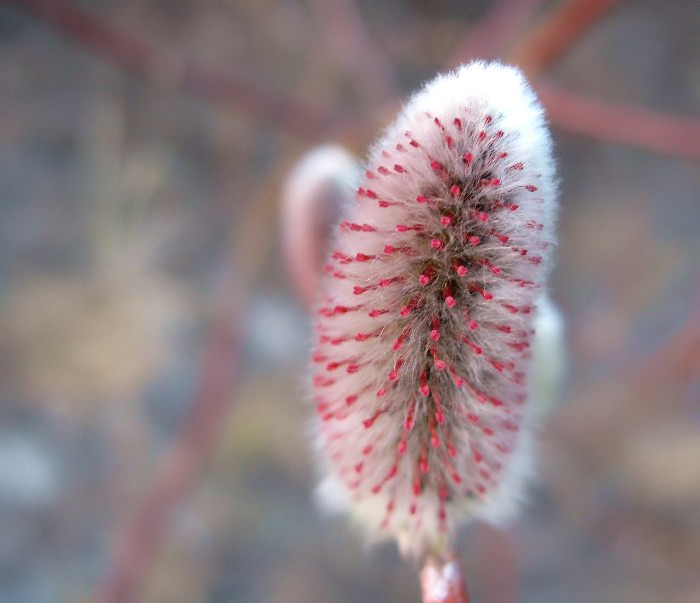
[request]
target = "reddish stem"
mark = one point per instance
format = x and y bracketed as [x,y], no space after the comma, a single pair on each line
[557,32]
[442,582]
[634,126]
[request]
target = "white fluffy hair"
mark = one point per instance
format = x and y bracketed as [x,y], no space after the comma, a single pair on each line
[425,328]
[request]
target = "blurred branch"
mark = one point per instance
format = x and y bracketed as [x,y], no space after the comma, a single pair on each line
[622,124]
[557,33]
[346,36]
[491,35]
[142,536]
[163,65]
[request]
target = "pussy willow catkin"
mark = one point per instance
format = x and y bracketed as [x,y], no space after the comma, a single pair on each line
[420,370]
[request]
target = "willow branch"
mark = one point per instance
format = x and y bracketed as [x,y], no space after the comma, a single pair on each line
[556,33]
[493,32]
[622,124]
[168,67]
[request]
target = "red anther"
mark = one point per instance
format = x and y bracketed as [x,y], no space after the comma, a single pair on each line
[400,147]
[422,199]
[517,166]
[455,191]
[423,460]
[381,392]
[382,170]
[434,439]
[357,290]
[467,158]
[459,268]
[361,257]
[438,123]
[449,299]
[399,168]
[358,467]
[488,120]
[495,182]
[499,134]
[435,332]
[405,310]
[439,411]
[403,446]
[482,136]
[477,349]
[424,278]
[478,457]
[350,400]
[410,419]
[369,174]
[437,166]
[367,449]
[353,368]
[385,282]
[472,418]
[474,240]
[445,220]
[439,364]
[531,188]
[398,342]
[406,227]
[435,243]
[458,381]
[457,122]
[376,312]
[485,294]
[423,388]
[371,194]
[502,155]
[449,141]
[487,431]
[414,143]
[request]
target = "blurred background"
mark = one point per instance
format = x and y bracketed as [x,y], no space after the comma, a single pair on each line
[153,422]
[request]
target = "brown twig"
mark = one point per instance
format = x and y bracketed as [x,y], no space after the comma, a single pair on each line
[168,67]
[494,31]
[556,33]
[621,124]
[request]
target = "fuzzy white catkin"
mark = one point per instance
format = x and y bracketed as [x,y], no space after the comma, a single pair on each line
[424,337]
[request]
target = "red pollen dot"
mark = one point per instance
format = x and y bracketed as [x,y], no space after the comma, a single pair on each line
[445,220]
[422,199]
[455,191]
[435,243]
[467,158]
[350,400]
[474,240]
[450,301]
[462,270]
[531,188]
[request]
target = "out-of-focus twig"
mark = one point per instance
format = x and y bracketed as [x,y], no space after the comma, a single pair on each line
[160,64]
[494,31]
[556,33]
[141,537]
[345,35]
[622,124]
